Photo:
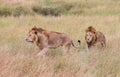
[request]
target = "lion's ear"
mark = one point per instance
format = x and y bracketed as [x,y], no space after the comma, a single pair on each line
[93,30]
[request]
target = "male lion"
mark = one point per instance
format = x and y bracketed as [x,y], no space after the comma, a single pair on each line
[48,39]
[94,38]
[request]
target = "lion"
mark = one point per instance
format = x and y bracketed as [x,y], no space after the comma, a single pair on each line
[95,38]
[49,39]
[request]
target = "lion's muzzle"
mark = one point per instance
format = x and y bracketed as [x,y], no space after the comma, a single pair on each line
[28,40]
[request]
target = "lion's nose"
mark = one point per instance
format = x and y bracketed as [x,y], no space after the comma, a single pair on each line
[26,39]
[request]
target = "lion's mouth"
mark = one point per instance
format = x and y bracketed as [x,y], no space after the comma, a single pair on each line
[30,41]
[88,40]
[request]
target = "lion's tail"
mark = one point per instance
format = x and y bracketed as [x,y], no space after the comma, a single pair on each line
[76,46]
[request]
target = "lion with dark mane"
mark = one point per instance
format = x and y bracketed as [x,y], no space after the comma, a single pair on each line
[49,39]
[94,38]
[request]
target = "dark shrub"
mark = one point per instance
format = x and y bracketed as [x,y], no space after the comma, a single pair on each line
[20,11]
[46,11]
[5,11]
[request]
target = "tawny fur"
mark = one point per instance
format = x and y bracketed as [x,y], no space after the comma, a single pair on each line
[49,39]
[98,38]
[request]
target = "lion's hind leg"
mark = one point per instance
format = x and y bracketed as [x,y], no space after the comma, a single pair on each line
[103,44]
[66,48]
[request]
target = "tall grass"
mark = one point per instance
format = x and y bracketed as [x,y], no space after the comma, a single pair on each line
[18,58]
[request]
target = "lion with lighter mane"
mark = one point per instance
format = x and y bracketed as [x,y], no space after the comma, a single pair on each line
[49,39]
[94,38]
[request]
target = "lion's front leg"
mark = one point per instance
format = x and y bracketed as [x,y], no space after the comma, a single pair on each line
[43,52]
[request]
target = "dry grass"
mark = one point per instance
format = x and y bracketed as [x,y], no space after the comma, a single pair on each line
[18,58]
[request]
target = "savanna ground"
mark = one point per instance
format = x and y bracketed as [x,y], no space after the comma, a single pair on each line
[18,58]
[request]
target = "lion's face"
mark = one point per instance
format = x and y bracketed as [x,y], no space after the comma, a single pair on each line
[32,36]
[89,36]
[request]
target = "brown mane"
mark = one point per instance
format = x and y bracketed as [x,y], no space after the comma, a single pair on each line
[91,29]
[38,29]
[98,37]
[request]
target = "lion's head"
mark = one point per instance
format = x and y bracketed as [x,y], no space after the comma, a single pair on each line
[33,34]
[90,34]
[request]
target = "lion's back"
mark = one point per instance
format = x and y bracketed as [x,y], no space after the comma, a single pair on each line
[100,37]
[56,39]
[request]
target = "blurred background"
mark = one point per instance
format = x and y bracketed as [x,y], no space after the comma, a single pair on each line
[59,7]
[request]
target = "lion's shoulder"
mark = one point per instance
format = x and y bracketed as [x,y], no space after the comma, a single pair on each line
[99,35]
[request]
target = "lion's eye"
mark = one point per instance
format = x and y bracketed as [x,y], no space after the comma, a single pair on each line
[35,32]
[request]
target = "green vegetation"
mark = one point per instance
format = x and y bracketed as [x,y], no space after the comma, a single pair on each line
[58,7]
